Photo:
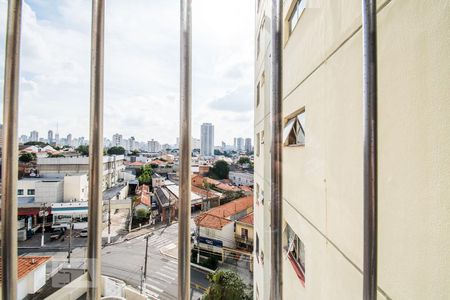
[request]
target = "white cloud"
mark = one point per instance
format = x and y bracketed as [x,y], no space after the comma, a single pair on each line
[141,67]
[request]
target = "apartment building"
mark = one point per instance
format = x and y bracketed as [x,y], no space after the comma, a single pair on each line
[113,167]
[323,150]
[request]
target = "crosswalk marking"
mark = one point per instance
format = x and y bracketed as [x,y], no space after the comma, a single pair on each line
[167,276]
[170,268]
[151,294]
[152,287]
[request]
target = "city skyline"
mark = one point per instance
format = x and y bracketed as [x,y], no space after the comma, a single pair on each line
[54,86]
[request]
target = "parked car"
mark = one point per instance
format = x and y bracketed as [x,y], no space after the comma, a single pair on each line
[84,233]
[57,233]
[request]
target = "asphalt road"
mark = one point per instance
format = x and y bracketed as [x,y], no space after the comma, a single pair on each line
[125,260]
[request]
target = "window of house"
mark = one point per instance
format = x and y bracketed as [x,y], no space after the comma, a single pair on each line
[294,130]
[257,146]
[297,11]
[258,95]
[20,192]
[296,252]
[257,245]
[258,38]
[257,193]
[244,233]
[30,192]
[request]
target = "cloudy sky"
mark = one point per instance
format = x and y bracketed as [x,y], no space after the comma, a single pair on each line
[141,67]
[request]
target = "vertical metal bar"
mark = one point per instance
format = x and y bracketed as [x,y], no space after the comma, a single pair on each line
[96,150]
[276,268]
[369,30]
[10,151]
[184,212]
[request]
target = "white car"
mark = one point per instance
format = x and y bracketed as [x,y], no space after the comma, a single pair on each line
[84,233]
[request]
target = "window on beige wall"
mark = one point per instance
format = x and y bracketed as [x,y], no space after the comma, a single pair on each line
[299,6]
[258,93]
[294,130]
[257,144]
[296,252]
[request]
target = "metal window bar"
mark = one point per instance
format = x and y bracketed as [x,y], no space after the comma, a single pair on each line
[184,212]
[10,151]
[96,151]
[276,253]
[369,31]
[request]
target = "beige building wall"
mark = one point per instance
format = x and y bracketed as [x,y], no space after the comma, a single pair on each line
[323,200]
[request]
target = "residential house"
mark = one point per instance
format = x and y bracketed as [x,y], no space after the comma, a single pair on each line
[215,227]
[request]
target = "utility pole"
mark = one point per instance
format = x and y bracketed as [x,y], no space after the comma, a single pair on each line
[70,241]
[109,221]
[146,254]
[142,280]
[198,245]
[44,215]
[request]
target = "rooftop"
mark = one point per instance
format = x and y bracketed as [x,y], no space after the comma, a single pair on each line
[248,219]
[217,217]
[26,264]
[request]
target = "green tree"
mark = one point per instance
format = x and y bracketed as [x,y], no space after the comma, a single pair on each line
[145,176]
[55,155]
[83,150]
[135,152]
[116,150]
[244,160]
[142,213]
[220,170]
[226,285]
[35,143]
[27,157]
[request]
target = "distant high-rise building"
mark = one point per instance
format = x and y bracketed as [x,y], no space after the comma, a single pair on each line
[207,139]
[57,138]
[239,144]
[50,136]
[196,143]
[117,140]
[132,143]
[34,136]
[153,146]
[23,139]
[248,145]
[69,139]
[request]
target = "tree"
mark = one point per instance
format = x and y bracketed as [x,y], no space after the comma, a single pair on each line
[83,150]
[135,152]
[35,143]
[220,170]
[116,150]
[27,157]
[146,175]
[244,160]
[55,155]
[142,214]
[226,285]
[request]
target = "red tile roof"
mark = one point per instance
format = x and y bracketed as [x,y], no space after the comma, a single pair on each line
[137,164]
[248,219]
[205,193]
[27,264]
[217,217]
[143,195]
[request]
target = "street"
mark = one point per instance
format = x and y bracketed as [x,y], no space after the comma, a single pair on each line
[124,261]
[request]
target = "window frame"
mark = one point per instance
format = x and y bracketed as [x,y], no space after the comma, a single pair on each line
[295,250]
[297,10]
[29,192]
[292,127]
[258,93]
[20,192]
